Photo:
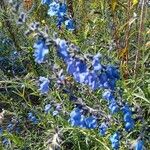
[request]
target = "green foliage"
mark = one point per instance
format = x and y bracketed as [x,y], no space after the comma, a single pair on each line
[101,25]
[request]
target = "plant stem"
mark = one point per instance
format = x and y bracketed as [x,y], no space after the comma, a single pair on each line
[140,34]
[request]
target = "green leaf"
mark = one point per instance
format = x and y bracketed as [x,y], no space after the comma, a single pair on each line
[16,140]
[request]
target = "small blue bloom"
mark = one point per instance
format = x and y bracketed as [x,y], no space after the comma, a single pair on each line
[112,72]
[108,95]
[54,9]
[62,9]
[32,118]
[115,139]
[90,122]
[55,113]
[70,24]
[103,128]
[1,131]
[62,48]
[60,21]
[127,117]
[139,145]
[76,118]
[47,108]
[5,141]
[46,2]
[113,107]
[96,63]
[40,51]
[129,122]
[58,107]
[44,85]
[80,77]
[10,127]
[129,126]
[126,109]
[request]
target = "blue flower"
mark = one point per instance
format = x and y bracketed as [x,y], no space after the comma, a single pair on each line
[47,108]
[1,131]
[103,78]
[32,118]
[5,141]
[55,113]
[108,95]
[113,107]
[62,48]
[80,77]
[10,127]
[127,117]
[129,126]
[40,51]
[44,85]
[71,66]
[92,80]
[62,9]
[139,145]
[112,72]
[70,24]
[129,122]
[90,122]
[60,21]
[115,138]
[58,107]
[76,118]
[76,66]
[96,63]
[103,128]
[54,9]
[46,2]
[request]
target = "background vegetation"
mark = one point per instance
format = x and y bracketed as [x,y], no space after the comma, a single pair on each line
[119,30]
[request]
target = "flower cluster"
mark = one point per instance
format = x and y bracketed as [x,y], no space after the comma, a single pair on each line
[59,10]
[87,70]
[96,76]
[78,119]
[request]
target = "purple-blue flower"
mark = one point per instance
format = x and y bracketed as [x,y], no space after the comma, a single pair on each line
[96,63]
[108,95]
[70,25]
[32,118]
[55,113]
[54,9]
[129,122]
[44,85]
[46,2]
[90,122]
[103,128]
[47,108]
[41,49]
[76,118]
[1,131]
[115,139]
[113,107]
[62,48]
[139,145]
